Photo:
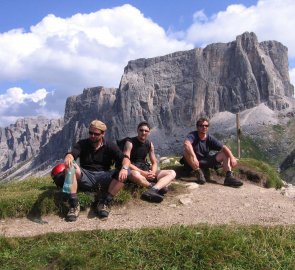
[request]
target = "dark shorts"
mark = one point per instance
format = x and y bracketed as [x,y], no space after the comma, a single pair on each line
[93,180]
[145,166]
[208,162]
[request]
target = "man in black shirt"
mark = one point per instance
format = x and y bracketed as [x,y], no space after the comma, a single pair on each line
[197,156]
[96,158]
[142,173]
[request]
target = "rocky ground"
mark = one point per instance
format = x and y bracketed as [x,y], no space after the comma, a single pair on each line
[211,203]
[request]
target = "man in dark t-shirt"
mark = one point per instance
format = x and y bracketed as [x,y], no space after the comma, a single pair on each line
[96,158]
[197,155]
[143,173]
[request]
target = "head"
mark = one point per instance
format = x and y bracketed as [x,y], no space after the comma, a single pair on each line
[96,131]
[143,130]
[202,125]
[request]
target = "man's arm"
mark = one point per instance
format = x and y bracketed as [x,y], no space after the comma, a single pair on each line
[153,159]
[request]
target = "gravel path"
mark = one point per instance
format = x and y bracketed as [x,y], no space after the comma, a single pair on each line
[211,203]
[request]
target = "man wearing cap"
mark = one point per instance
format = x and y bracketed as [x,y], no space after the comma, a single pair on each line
[203,151]
[96,158]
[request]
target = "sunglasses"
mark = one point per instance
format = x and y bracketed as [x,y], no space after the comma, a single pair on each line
[94,133]
[203,126]
[144,130]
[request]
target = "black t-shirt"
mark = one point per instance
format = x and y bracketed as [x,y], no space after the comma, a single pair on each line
[97,160]
[139,150]
[203,147]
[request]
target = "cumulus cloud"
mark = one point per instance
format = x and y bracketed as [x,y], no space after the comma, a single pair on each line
[269,19]
[88,49]
[15,103]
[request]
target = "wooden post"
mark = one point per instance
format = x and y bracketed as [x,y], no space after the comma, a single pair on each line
[238,135]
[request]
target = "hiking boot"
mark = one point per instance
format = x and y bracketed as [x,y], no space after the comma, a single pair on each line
[73,213]
[207,174]
[200,178]
[163,191]
[232,182]
[151,195]
[103,210]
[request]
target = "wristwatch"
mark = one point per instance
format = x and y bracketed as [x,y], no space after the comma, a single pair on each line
[125,168]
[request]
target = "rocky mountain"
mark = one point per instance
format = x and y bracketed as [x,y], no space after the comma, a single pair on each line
[22,141]
[172,91]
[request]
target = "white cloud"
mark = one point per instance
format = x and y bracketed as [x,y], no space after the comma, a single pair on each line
[269,19]
[15,104]
[88,49]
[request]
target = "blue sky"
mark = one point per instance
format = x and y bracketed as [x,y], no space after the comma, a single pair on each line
[52,49]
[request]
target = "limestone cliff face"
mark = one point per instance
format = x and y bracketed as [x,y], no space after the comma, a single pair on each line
[174,90]
[23,140]
[171,92]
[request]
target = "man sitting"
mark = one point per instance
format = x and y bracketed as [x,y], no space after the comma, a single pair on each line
[196,154]
[142,173]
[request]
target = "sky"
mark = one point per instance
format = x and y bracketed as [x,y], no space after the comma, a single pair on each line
[53,49]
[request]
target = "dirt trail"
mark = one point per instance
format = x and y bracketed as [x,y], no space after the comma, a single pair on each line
[210,203]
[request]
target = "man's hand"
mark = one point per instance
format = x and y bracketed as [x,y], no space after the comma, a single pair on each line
[233,162]
[150,175]
[123,175]
[68,161]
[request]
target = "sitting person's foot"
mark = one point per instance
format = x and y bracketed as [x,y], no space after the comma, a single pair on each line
[103,210]
[73,213]
[152,195]
[200,178]
[163,191]
[231,181]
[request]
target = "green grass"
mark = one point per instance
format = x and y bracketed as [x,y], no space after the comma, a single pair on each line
[35,197]
[271,175]
[176,247]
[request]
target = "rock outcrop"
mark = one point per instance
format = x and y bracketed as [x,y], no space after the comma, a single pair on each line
[172,91]
[23,140]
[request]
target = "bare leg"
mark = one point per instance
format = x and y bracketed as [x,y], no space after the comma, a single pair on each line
[139,179]
[115,186]
[164,178]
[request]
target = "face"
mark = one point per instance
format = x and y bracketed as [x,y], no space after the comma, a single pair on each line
[203,127]
[143,132]
[95,135]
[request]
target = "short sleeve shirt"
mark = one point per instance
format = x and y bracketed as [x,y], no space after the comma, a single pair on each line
[203,147]
[96,160]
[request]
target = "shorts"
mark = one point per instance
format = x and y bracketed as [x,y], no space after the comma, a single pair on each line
[207,162]
[145,166]
[94,180]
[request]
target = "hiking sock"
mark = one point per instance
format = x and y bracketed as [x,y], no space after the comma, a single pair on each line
[155,189]
[73,200]
[151,185]
[108,198]
[229,174]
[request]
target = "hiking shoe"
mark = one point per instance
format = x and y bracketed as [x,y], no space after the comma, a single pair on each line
[163,191]
[151,195]
[102,210]
[73,213]
[200,178]
[207,174]
[232,182]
